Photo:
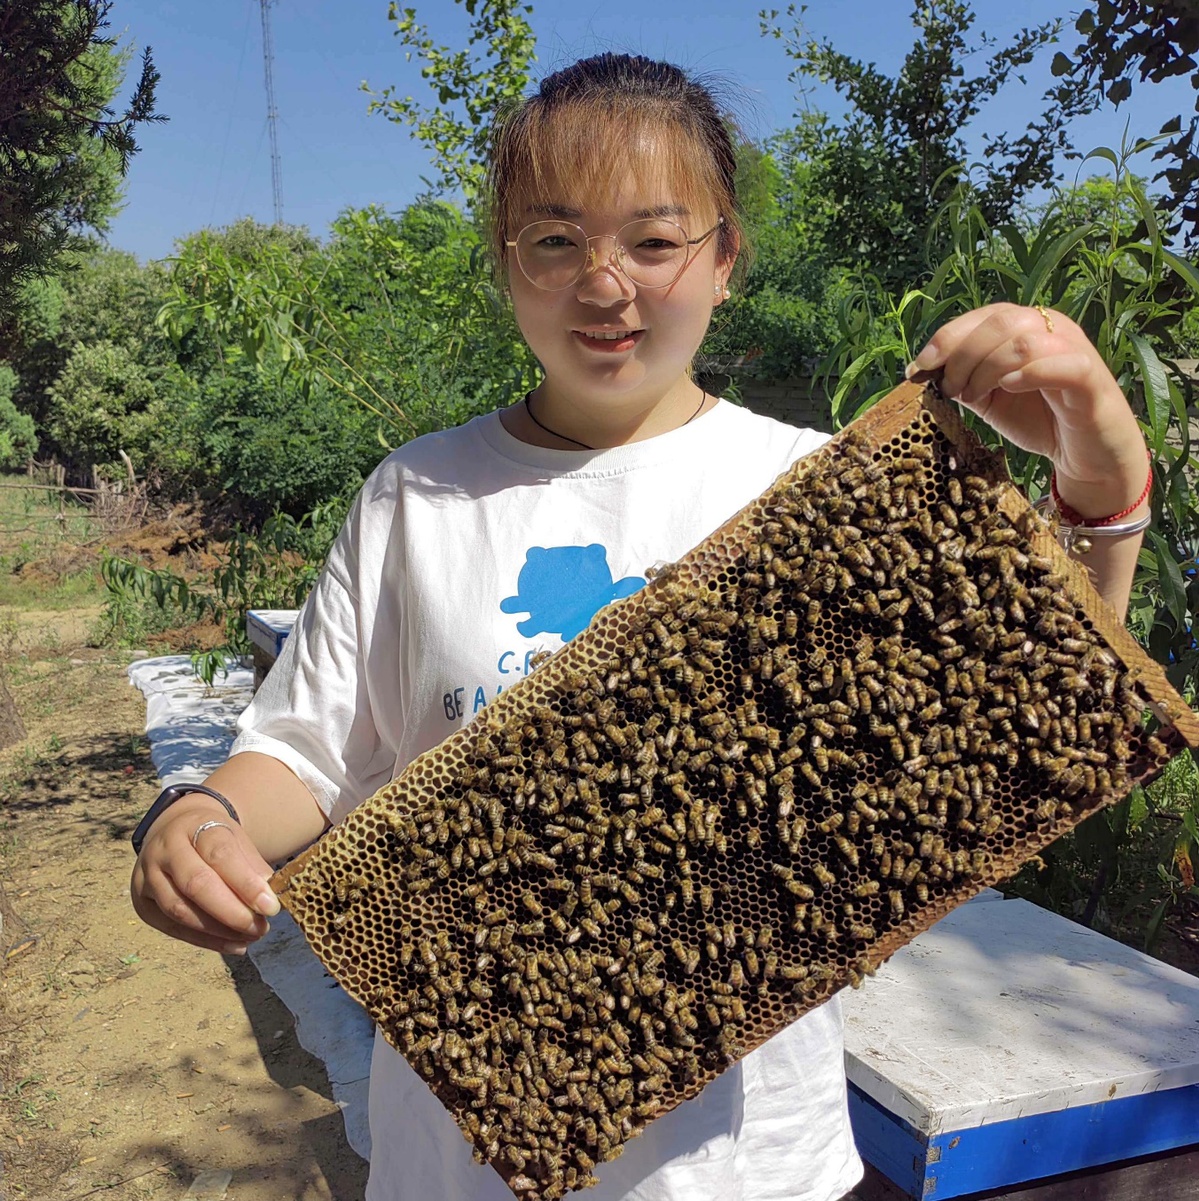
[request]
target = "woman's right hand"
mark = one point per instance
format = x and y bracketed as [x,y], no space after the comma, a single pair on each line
[214,894]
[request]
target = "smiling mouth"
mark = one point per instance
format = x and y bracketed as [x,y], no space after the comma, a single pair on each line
[604,340]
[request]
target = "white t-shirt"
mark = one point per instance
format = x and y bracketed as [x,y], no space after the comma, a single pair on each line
[465,554]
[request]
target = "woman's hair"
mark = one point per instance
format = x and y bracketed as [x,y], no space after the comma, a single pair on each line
[601,120]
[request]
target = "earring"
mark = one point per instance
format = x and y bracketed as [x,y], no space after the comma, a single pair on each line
[722,291]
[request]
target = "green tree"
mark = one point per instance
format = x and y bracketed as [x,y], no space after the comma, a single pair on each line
[112,297]
[426,322]
[399,316]
[237,420]
[260,442]
[32,347]
[390,329]
[18,438]
[247,238]
[63,147]
[104,296]
[1146,41]
[471,85]
[200,351]
[894,160]
[781,319]
[103,402]
[1098,200]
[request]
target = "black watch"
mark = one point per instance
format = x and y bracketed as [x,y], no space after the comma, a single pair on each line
[166,798]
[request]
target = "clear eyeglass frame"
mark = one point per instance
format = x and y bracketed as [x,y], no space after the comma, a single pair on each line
[591,258]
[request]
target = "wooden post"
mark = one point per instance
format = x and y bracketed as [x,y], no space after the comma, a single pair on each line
[61,477]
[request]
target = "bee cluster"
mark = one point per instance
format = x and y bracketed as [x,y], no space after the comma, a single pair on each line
[738,791]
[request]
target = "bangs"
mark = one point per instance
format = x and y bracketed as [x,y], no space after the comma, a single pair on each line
[571,155]
[574,158]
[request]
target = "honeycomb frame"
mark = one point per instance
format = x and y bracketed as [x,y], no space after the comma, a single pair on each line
[879,688]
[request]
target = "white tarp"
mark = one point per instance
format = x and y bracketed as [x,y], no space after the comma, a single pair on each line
[190,729]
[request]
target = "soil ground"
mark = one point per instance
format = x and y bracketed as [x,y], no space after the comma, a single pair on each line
[129,1063]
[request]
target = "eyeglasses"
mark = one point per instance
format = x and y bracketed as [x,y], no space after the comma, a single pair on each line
[651,252]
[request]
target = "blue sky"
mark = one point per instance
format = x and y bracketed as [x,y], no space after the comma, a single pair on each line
[210,163]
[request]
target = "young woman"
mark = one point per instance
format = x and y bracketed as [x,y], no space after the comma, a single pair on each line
[470,550]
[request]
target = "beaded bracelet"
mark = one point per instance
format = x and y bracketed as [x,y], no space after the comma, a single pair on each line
[1077,519]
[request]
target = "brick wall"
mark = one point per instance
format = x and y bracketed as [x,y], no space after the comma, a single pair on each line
[800,402]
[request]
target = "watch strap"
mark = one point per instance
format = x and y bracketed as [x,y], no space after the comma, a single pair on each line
[165,799]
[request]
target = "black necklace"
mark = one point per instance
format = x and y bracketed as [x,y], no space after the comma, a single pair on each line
[529,409]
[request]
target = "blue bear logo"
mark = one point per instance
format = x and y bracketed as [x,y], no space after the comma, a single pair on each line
[563,587]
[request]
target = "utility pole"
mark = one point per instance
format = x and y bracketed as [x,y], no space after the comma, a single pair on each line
[272,113]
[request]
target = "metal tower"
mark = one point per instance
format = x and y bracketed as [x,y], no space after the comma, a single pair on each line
[272,113]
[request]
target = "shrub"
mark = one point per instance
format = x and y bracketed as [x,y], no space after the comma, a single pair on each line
[104,402]
[265,441]
[273,569]
[18,439]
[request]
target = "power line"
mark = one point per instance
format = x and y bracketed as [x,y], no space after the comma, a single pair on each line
[220,175]
[251,162]
[272,113]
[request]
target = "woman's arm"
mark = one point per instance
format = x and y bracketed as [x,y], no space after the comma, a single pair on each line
[282,817]
[1033,376]
[1111,561]
[213,893]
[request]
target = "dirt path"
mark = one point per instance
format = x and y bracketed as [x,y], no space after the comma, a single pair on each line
[129,1063]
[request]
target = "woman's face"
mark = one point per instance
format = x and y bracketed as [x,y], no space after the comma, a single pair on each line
[664,326]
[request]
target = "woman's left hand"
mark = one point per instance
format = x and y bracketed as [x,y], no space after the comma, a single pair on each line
[1035,378]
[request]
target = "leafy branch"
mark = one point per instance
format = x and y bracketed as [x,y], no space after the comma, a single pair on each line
[471,85]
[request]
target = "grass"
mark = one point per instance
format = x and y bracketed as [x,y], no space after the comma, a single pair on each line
[27,763]
[48,564]
[78,588]
[128,621]
[34,533]
[28,1102]
[33,514]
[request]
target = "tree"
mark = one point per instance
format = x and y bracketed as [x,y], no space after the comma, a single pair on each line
[247,238]
[103,402]
[781,316]
[471,86]
[1098,200]
[18,439]
[396,315]
[63,147]
[101,296]
[1149,41]
[889,166]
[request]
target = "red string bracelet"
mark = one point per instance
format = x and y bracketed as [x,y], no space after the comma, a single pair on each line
[1076,518]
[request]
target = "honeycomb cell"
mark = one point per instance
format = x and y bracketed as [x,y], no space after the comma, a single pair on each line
[877,689]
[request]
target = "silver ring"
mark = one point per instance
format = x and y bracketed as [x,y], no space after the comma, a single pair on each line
[208,826]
